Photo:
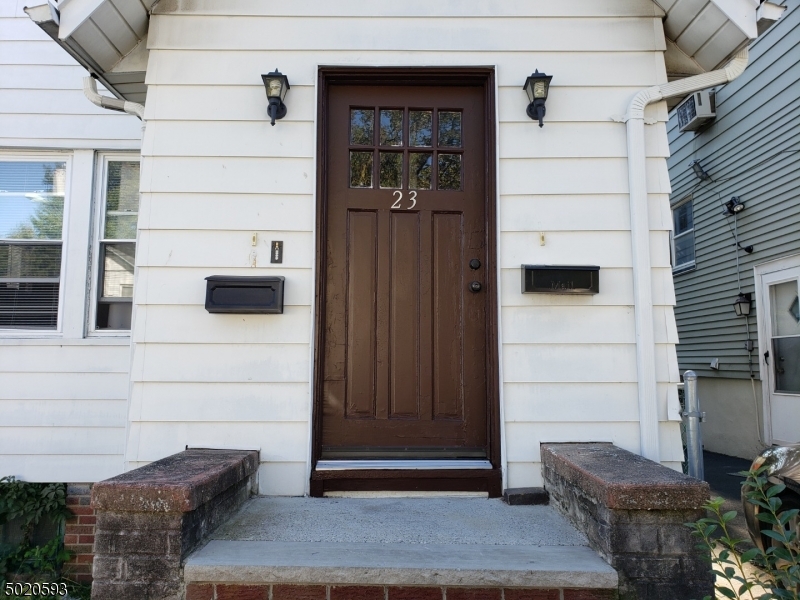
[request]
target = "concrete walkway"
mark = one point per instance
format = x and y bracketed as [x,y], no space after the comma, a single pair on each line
[399,541]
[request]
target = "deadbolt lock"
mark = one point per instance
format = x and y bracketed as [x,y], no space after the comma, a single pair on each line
[474,264]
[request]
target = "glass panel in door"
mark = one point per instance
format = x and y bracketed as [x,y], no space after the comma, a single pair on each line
[785,334]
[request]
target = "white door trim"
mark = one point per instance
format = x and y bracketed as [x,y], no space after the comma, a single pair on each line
[765,274]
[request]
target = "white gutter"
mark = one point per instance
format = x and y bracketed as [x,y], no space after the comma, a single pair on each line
[90,90]
[640,239]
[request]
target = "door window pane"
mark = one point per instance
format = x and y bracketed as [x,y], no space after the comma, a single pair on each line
[122,200]
[420,128]
[391,170]
[419,170]
[362,123]
[391,128]
[786,360]
[784,309]
[31,208]
[360,169]
[449,172]
[450,129]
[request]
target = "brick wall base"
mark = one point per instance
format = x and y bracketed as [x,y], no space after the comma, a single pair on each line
[228,591]
[79,533]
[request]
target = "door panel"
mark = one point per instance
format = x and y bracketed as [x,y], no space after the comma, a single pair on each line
[404,337]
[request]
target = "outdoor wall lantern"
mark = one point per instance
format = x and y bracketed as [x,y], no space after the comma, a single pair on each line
[537,86]
[742,305]
[277,85]
[733,206]
[699,171]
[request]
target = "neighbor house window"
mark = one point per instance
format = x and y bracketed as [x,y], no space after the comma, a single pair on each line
[115,244]
[683,237]
[32,195]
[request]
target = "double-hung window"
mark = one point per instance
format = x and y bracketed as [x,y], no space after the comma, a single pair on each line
[115,246]
[683,237]
[32,198]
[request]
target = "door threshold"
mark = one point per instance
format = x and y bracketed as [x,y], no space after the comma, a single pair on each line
[405,465]
[403,494]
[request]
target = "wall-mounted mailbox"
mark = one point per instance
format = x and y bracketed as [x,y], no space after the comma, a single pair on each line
[560,279]
[250,295]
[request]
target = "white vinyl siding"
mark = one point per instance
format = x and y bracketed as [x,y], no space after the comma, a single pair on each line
[215,172]
[63,398]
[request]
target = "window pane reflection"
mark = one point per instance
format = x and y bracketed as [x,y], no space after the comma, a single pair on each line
[450,129]
[391,128]
[419,170]
[420,128]
[391,170]
[360,169]
[449,171]
[362,124]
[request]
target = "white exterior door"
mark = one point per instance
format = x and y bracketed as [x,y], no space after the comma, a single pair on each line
[778,287]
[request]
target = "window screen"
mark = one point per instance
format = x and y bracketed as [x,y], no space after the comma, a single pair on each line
[117,245]
[31,224]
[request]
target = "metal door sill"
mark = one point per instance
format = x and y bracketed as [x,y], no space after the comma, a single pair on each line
[410,465]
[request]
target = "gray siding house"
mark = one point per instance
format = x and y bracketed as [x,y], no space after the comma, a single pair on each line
[748,366]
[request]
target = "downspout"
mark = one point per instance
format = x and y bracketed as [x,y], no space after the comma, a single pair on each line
[640,239]
[132,108]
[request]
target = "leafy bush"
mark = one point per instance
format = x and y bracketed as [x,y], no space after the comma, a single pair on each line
[778,568]
[29,503]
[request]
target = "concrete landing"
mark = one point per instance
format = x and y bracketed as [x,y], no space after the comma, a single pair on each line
[399,542]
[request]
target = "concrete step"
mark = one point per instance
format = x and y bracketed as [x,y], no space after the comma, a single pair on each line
[292,548]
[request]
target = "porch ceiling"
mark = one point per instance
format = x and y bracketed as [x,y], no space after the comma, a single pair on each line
[109,37]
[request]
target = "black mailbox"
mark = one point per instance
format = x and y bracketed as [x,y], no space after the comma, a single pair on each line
[560,279]
[250,295]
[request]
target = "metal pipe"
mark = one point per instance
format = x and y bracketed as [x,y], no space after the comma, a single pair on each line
[640,238]
[694,438]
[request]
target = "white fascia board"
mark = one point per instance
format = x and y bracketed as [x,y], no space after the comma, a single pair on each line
[741,13]
[74,14]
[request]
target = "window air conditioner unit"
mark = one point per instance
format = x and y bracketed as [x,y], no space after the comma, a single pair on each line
[696,110]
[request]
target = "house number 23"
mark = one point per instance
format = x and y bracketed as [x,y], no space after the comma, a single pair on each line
[399,195]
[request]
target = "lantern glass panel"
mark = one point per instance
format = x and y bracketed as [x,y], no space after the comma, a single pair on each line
[275,87]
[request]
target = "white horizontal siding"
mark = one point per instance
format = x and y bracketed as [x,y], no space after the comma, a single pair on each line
[63,398]
[214,173]
[37,79]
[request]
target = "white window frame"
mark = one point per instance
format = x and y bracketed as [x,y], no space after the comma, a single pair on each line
[687,266]
[764,329]
[66,158]
[98,220]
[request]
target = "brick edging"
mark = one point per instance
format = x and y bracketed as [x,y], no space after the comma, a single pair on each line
[228,591]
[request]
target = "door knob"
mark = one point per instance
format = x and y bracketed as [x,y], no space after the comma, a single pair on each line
[475,286]
[474,264]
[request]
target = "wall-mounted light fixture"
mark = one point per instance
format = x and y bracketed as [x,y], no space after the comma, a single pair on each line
[742,305]
[699,171]
[277,84]
[733,206]
[537,86]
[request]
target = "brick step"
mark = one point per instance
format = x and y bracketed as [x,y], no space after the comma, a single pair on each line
[232,591]
[354,571]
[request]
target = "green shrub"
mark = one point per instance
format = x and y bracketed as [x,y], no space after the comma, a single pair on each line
[778,568]
[29,503]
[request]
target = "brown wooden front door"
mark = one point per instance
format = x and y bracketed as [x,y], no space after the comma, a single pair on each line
[405,280]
